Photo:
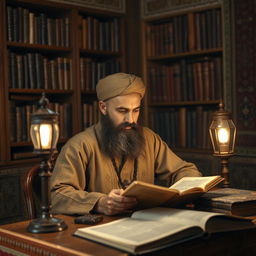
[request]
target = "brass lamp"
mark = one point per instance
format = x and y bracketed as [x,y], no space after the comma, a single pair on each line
[223,133]
[44,132]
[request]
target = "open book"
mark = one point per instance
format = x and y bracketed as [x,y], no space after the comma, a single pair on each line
[183,191]
[151,229]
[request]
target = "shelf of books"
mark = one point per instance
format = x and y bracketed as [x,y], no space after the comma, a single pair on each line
[59,49]
[38,53]
[183,70]
[100,53]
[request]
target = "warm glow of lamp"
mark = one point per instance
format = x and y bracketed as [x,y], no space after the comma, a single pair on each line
[44,133]
[223,132]
[223,135]
[43,136]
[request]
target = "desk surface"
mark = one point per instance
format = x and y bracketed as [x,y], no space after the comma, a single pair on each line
[16,237]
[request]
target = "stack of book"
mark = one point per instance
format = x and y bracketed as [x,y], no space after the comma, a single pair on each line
[229,201]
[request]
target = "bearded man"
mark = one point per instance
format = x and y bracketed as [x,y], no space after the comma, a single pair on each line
[95,165]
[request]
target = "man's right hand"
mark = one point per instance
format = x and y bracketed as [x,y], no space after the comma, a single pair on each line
[115,203]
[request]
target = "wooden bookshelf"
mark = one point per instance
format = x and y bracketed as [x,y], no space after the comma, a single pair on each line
[58,48]
[183,68]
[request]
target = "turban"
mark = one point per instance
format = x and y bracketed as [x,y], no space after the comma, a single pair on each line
[119,84]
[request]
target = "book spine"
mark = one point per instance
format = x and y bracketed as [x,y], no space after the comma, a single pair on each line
[19,71]
[60,74]
[26,71]
[12,121]
[31,28]
[20,27]
[191,32]
[12,70]
[45,74]
[182,127]
[39,71]
[214,204]
[10,23]
[57,32]
[53,72]
[198,31]
[206,80]
[25,22]
[116,35]
[31,66]
[67,32]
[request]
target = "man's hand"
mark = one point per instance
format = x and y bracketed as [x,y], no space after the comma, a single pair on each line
[115,203]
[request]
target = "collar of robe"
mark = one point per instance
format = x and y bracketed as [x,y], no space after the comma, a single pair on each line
[118,170]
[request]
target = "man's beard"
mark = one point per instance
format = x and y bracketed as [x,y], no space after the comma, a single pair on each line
[121,142]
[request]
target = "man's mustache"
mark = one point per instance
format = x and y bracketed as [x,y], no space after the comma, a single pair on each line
[127,124]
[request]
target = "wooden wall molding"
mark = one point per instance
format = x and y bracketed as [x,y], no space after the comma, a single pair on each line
[154,8]
[106,5]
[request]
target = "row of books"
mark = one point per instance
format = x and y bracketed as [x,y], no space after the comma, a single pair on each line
[20,120]
[35,71]
[91,114]
[26,26]
[206,30]
[92,70]
[168,38]
[198,31]
[198,80]
[184,128]
[103,35]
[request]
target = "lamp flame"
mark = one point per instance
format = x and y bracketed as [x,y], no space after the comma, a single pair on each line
[223,135]
[46,135]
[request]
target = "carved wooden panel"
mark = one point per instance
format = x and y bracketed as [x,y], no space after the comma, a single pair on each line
[10,203]
[12,207]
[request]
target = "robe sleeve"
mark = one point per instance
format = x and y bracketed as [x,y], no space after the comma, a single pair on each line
[169,168]
[68,182]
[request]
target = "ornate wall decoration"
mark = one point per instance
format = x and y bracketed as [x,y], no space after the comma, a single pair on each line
[242,172]
[227,55]
[244,13]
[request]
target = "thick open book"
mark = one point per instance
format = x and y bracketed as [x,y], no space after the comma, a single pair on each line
[183,191]
[151,229]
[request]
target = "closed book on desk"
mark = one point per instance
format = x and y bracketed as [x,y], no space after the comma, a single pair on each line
[229,200]
[183,191]
[156,228]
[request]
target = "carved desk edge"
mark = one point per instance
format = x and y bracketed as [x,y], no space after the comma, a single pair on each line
[31,246]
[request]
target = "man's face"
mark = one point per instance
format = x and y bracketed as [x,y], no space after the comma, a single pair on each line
[121,135]
[122,109]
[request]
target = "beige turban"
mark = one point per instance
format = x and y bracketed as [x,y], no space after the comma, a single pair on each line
[119,84]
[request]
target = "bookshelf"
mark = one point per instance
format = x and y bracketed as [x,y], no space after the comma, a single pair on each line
[61,49]
[183,68]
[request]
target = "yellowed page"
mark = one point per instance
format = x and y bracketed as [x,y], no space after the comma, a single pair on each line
[195,183]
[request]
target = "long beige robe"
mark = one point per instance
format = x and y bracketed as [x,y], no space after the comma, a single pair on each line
[82,173]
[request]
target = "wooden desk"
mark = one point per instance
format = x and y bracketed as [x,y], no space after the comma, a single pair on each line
[16,237]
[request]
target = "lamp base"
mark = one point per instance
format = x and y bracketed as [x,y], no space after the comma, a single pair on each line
[46,225]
